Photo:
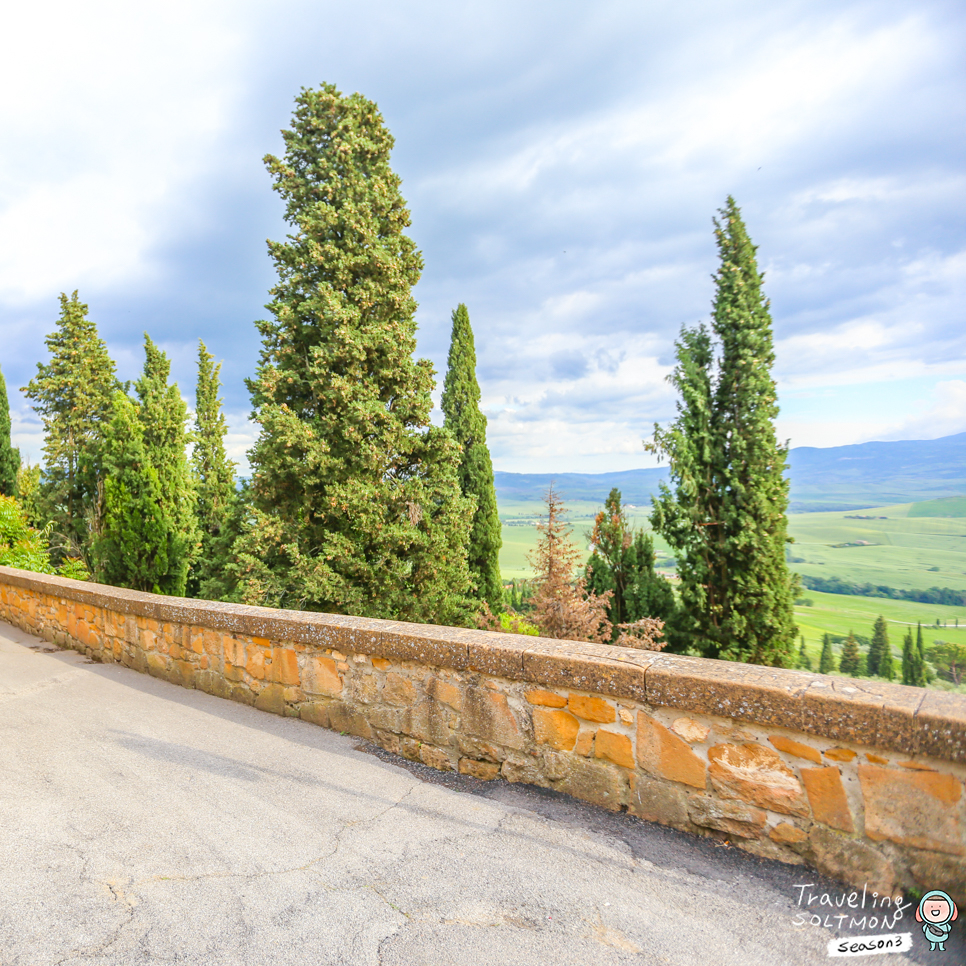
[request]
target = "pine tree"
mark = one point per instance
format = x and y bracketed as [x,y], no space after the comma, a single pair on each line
[356,501]
[163,415]
[461,407]
[850,661]
[880,641]
[726,519]
[214,481]
[73,396]
[826,663]
[133,545]
[9,457]
[648,593]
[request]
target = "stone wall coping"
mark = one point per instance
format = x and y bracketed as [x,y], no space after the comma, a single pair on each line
[871,712]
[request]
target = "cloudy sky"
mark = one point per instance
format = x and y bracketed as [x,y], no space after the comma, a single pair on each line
[562,162]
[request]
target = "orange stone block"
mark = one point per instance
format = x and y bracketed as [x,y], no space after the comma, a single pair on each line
[585,744]
[591,708]
[614,747]
[285,666]
[877,759]
[447,693]
[665,755]
[546,698]
[555,728]
[234,651]
[840,754]
[796,748]
[381,664]
[827,797]
[755,774]
[916,808]
[399,690]
[321,676]
[785,834]
[257,659]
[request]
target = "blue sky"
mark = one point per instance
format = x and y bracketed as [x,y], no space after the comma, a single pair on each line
[562,163]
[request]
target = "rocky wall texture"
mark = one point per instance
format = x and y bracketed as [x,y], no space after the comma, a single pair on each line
[859,779]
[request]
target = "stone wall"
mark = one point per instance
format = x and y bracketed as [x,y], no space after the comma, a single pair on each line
[860,779]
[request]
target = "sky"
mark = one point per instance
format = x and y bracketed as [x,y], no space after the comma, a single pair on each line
[562,163]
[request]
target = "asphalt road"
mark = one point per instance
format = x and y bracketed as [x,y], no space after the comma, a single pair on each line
[143,823]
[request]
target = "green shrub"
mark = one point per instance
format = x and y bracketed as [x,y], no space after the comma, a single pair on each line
[26,548]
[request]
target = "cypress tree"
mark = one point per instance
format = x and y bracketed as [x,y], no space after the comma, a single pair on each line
[214,479]
[726,519]
[804,661]
[918,660]
[886,665]
[73,395]
[9,457]
[132,548]
[877,648]
[163,415]
[356,500]
[908,661]
[461,408]
[850,661]
[826,663]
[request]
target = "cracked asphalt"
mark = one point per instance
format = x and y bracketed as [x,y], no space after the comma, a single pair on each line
[145,823]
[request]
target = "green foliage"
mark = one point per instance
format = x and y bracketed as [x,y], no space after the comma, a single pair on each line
[726,520]
[515,624]
[9,457]
[622,562]
[804,661]
[914,660]
[26,548]
[357,505]
[878,647]
[72,395]
[28,492]
[850,661]
[461,408]
[132,549]
[826,663]
[949,659]
[214,483]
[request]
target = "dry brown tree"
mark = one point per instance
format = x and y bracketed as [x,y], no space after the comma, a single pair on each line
[562,607]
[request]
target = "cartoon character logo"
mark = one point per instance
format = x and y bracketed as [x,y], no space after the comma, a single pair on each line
[936,912]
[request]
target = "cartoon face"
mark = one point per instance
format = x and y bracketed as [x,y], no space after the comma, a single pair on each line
[936,910]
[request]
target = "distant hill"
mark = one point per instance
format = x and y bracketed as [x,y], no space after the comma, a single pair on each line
[836,478]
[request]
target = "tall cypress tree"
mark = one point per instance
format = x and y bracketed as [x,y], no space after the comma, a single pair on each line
[163,415]
[9,457]
[850,661]
[878,646]
[726,519]
[73,395]
[919,660]
[462,417]
[826,663]
[357,504]
[908,660]
[214,476]
[886,664]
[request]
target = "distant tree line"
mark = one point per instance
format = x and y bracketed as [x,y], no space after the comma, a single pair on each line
[935,595]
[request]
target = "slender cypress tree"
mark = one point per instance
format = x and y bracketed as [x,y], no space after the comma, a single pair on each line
[908,660]
[73,395]
[163,415]
[850,661]
[135,538]
[886,665]
[877,648]
[9,457]
[461,408]
[826,663]
[726,521]
[919,660]
[804,661]
[356,501]
[214,478]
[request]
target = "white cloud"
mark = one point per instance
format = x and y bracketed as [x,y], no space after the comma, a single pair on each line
[943,415]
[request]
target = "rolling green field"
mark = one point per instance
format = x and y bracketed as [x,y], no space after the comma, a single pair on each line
[903,546]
